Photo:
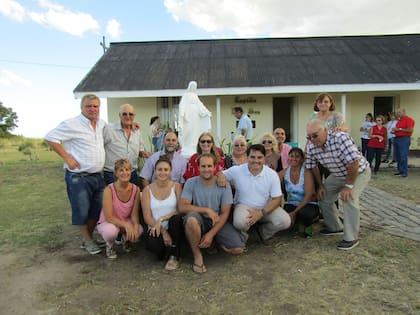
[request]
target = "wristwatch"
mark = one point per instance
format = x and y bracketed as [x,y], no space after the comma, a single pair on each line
[350,186]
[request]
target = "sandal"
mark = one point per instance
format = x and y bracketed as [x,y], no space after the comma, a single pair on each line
[172,263]
[202,268]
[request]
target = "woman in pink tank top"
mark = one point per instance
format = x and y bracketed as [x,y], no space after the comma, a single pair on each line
[120,210]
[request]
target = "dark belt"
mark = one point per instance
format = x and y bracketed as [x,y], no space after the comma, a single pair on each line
[83,174]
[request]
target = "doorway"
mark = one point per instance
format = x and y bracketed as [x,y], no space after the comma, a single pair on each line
[383,105]
[282,114]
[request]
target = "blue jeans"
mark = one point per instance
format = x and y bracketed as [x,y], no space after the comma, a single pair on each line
[390,151]
[401,147]
[85,195]
[110,178]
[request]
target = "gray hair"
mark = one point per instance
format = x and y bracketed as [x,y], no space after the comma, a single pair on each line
[88,97]
[124,106]
[318,123]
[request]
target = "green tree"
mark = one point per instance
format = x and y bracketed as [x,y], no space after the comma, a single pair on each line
[8,120]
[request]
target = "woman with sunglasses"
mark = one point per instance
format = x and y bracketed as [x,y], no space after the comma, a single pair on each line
[272,158]
[377,142]
[205,145]
[238,155]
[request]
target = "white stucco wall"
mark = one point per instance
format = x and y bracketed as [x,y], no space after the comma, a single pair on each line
[357,105]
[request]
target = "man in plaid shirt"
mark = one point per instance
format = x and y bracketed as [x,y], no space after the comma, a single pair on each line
[349,175]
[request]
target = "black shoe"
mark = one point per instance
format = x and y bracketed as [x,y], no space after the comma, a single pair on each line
[396,174]
[327,232]
[347,245]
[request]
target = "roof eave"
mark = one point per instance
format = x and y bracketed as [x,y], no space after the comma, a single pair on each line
[331,88]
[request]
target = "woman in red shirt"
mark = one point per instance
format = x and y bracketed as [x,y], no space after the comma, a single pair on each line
[378,138]
[205,145]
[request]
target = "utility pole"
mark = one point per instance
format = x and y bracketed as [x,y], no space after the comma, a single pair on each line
[103,44]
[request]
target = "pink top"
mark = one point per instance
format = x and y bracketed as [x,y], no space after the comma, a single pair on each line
[284,154]
[122,210]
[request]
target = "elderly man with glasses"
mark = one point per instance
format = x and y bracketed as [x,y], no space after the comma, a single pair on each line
[123,140]
[349,175]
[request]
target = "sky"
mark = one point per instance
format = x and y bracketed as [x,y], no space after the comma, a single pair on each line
[48,46]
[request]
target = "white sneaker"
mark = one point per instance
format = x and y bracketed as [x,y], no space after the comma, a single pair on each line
[110,252]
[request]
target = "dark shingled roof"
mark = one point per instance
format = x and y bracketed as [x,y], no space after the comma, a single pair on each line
[262,62]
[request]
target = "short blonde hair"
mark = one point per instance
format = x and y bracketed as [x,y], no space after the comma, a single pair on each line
[122,163]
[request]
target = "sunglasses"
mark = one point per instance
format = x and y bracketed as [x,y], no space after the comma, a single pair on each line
[267,141]
[240,145]
[206,141]
[312,136]
[127,114]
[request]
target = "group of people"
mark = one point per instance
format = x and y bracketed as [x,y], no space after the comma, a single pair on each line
[210,200]
[392,134]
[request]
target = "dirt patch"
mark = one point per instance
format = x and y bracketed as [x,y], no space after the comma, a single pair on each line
[291,275]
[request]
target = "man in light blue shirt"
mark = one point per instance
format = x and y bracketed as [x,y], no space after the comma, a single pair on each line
[244,124]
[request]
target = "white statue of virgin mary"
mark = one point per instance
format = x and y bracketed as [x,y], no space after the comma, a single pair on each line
[193,120]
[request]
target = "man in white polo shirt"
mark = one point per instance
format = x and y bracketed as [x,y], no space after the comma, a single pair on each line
[258,195]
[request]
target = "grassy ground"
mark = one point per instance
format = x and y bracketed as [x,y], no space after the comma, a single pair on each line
[43,271]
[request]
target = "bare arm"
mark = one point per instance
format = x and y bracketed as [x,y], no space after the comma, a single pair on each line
[186,205]
[309,188]
[67,158]
[352,171]
[144,183]
[274,203]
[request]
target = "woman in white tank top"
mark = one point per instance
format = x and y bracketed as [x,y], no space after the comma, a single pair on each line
[159,202]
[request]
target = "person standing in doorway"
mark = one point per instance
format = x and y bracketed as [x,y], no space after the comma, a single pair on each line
[284,148]
[244,124]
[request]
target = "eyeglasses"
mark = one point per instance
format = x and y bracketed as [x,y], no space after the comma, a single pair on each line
[206,141]
[127,114]
[239,145]
[312,136]
[267,141]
